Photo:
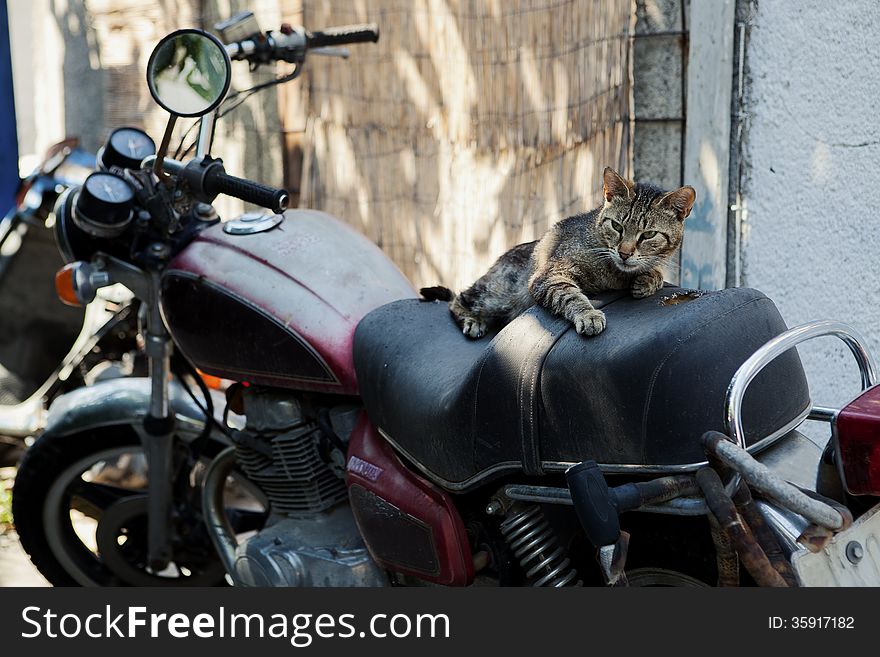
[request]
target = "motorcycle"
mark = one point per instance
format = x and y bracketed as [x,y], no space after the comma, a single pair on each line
[47,348]
[379,446]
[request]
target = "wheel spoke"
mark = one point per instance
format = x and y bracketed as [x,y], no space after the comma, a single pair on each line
[92,499]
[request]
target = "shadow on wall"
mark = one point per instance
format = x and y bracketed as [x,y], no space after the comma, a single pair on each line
[249,137]
[82,69]
[469,127]
[106,46]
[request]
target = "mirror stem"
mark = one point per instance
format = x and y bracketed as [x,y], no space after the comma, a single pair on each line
[206,134]
[163,148]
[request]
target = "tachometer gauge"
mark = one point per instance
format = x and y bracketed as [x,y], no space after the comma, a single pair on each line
[104,205]
[126,148]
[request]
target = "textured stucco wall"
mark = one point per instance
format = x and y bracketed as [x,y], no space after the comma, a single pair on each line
[811,238]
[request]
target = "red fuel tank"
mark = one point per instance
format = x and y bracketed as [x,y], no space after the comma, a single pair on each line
[279,307]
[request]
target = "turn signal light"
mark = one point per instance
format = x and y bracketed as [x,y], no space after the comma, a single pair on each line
[857,430]
[65,285]
[213,382]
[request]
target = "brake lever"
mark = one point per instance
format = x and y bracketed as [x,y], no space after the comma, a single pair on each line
[331,51]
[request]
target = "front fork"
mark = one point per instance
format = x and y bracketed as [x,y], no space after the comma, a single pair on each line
[157,430]
[158,435]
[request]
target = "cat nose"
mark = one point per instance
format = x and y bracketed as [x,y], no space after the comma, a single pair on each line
[624,255]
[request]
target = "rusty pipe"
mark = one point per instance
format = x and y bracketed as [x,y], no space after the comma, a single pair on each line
[815,537]
[763,479]
[664,489]
[763,533]
[725,556]
[721,506]
[844,512]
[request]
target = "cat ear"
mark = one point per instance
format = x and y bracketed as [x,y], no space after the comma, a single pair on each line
[680,201]
[615,185]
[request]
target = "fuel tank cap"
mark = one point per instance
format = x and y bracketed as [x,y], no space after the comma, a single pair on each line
[252,222]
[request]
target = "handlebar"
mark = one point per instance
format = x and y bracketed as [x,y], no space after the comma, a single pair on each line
[343,35]
[290,44]
[207,178]
[217,181]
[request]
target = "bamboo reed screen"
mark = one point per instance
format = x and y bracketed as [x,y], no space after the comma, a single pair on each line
[470,127]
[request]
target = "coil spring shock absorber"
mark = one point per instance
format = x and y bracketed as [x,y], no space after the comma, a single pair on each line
[534,543]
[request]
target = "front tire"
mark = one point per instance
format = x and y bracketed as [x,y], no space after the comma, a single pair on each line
[652,577]
[66,485]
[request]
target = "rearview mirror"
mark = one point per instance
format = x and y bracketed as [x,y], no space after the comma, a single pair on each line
[189,72]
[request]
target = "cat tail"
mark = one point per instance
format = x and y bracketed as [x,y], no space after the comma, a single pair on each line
[437,293]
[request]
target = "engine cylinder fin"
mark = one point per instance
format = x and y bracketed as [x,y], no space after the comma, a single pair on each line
[296,479]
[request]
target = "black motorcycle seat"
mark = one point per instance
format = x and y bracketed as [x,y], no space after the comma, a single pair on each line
[536,396]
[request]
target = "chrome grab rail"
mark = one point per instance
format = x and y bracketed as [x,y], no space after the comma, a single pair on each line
[822,414]
[776,347]
[773,349]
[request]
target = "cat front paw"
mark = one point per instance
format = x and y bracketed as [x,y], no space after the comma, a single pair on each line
[473,328]
[589,322]
[644,285]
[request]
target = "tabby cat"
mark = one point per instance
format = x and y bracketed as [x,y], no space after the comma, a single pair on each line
[621,245]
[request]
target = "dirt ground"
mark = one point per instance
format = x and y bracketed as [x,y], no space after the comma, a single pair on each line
[15,567]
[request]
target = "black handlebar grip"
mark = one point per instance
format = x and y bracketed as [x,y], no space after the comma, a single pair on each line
[339,36]
[217,181]
[593,503]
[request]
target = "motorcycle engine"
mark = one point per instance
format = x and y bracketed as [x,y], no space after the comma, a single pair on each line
[294,462]
[298,460]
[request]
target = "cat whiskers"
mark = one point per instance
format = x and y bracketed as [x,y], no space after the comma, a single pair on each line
[663,261]
[601,253]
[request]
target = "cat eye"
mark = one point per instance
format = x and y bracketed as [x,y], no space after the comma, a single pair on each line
[616,226]
[648,234]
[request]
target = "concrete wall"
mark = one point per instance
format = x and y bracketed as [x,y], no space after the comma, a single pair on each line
[810,235]
[659,69]
[37,74]
[660,53]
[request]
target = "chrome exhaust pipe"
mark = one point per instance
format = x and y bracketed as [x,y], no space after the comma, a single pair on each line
[219,529]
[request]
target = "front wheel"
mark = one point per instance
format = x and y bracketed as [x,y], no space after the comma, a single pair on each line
[80,509]
[644,577]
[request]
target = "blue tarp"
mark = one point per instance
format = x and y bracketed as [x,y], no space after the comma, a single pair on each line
[8,136]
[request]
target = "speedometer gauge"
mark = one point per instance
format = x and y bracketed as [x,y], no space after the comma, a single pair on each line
[126,148]
[104,205]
